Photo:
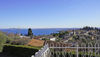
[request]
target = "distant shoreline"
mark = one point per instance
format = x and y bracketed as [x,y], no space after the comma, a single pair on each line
[45,31]
[36,28]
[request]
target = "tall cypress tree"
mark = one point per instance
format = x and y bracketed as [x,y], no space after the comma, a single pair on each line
[30,32]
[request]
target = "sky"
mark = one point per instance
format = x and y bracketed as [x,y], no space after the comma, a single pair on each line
[49,13]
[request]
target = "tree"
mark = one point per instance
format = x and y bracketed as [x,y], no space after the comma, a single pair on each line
[30,32]
[2,40]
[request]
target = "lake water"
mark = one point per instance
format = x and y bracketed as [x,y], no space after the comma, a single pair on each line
[35,31]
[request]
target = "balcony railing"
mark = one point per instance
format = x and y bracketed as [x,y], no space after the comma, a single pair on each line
[70,51]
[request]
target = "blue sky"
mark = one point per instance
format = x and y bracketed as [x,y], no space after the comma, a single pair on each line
[49,13]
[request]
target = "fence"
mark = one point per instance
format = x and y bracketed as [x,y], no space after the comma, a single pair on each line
[85,50]
[44,52]
[69,51]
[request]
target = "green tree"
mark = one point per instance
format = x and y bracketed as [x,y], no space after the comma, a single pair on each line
[30,32]
[2,40]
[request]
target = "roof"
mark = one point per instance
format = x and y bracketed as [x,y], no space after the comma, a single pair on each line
[35,42]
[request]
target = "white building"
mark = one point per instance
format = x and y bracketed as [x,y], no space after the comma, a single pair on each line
[53,39]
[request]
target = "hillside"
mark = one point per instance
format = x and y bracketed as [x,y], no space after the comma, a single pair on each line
[80,36]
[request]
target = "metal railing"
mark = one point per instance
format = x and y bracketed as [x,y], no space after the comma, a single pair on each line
[84,50]
[44,52]
[71,51]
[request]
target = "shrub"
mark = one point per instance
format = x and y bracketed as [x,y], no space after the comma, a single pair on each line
[20,50]
[20,41]
[2,40]
[9,40]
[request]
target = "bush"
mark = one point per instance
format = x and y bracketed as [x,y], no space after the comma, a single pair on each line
[9,40]
[20,41]
[20,50]
[2,40]
[12,37]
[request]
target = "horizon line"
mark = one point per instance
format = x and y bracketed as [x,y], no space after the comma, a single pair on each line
[46,28]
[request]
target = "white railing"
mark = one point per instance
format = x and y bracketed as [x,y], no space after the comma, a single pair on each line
[77,51]
[64,51]
[44,52]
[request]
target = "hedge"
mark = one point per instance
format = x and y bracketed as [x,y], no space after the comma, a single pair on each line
[20,50]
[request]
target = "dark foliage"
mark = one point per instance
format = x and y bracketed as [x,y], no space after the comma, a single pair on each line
[30,32]
[19,51]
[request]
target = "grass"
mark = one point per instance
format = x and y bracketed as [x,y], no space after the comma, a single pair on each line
[24,46]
